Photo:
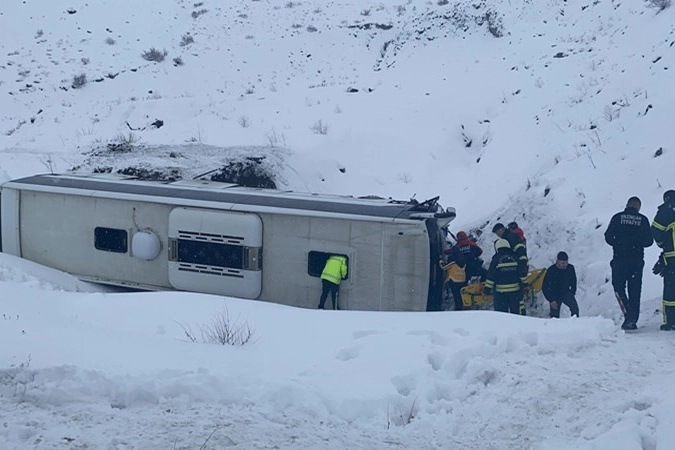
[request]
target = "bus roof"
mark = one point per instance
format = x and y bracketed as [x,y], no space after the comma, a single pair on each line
[213,191]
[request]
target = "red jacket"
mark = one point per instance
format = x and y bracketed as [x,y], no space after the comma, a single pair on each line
[468,248]
[519,231]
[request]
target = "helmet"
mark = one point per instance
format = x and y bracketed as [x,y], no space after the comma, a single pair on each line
[501,243]
[513,226]
[461,235]
[669,197]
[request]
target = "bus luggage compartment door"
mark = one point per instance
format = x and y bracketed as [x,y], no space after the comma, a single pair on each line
[217,252]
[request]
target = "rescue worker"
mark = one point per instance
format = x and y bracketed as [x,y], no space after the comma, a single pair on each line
[520,252]
[517,246]
[629,234]
[663,231]
[503,279]
[513,226]
[560,286]
[333,272]
[471,253]
[455,275]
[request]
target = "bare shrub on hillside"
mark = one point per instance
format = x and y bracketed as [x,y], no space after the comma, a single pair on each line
[122,143]
[187,39]
[110,41]
[221,330]
[365,12]
[275,140]
[244,122]
[311,28]
[79,81]
[178,61]
[468,140]
[610,113]
[493,22]
[154,55]
[442,2]
[198,13]
[660,5]
[319,127]
[252,171]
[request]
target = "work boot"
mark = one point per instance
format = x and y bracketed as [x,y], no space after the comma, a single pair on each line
[630,326]
[668,327]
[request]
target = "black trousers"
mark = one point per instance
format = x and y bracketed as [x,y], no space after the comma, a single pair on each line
[456,289]
[669,295]
[565,299]
[627,272]
[509,302]
[326,288]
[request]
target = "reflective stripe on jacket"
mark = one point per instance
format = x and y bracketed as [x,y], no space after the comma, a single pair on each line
[663,230]
[503,273]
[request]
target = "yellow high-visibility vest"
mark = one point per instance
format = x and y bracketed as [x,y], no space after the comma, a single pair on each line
[455,273]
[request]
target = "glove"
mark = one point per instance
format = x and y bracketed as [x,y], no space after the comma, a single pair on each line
[660,267]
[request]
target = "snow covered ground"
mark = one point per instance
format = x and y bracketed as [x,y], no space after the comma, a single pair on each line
[548,113]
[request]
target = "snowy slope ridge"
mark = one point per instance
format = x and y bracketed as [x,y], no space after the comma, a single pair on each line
[546,112]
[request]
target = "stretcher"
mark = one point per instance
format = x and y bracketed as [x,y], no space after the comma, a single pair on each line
[474,298]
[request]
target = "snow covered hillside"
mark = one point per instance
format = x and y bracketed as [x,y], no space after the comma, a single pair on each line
[546,112]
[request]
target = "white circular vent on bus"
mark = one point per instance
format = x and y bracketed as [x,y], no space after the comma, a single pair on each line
[145,245]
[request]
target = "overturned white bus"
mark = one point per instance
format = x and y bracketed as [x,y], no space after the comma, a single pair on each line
[226,239]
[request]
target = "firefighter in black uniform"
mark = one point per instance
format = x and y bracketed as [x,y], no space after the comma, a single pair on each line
[663,230]
[629,234]
[503,279]
[560,286]
[519,250]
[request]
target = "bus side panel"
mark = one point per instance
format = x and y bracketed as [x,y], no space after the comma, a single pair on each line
[11,239]
[406,267]
[59,231]
[365,280]
[288,240]
[288,243]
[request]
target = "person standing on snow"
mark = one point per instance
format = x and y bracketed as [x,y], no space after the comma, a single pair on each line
[333,272]
[455,274]
[503,279]
[560,286]
[516,245]
[520,252]
[629,234]
[663,231]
